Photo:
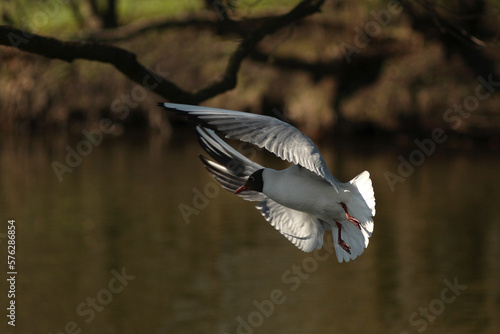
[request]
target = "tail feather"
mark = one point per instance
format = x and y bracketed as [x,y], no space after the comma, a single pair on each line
[364,185]
[361,205]
[356,239]
[363,201]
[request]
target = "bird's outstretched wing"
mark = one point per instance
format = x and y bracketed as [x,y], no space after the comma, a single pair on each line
[303,230]
[276,136]
[231,169]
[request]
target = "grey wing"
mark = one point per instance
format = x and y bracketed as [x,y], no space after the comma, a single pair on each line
[231,169]
[303,230]
[276,136]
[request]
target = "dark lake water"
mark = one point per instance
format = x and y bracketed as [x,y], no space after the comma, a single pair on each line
[108,249]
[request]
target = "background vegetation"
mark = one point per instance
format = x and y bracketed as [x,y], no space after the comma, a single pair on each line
[327,73]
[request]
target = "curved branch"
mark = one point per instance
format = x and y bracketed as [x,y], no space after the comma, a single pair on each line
[449,27]
[247,46]
[472,49]
[126,62]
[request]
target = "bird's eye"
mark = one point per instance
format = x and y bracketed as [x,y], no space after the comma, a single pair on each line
[251,179]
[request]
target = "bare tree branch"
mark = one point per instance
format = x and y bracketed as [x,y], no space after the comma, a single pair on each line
[445,26]
[471,50]
[248,45]
[126,62]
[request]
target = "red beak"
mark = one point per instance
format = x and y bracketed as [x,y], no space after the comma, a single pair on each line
[240,189]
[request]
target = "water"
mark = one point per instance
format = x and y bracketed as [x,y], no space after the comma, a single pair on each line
[107,250]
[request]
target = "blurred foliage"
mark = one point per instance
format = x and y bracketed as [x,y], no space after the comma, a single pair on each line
[67,17]
[401,80]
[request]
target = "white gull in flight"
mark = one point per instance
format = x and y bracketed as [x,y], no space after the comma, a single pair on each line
[302,201]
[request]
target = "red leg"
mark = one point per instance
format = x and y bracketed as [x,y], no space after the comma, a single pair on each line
[349,217]
[341,242]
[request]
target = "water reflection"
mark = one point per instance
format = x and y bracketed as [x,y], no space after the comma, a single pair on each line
[227,270]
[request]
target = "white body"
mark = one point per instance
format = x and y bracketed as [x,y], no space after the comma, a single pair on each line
[299,189]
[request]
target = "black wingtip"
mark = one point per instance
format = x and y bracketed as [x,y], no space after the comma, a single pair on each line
[188,115]
[165,107]
[203,159]
[178,111]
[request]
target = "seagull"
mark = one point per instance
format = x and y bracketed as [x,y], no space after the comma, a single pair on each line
[302,201]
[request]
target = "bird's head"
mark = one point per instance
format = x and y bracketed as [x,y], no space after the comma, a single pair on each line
[254,182]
